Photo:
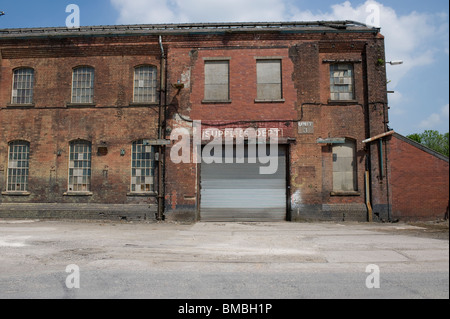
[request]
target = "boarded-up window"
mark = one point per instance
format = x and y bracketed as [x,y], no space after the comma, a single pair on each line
[269,80]
[142,167]
[18,164]
[83,85]
[341,82]
[145,84]
[344,167]
[80,166]
[23,83]
[217,81]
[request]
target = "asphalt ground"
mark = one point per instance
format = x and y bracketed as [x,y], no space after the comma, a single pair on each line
[124,260]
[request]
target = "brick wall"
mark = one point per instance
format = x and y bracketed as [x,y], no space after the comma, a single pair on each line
[419,181]
[306,88]
[52,123]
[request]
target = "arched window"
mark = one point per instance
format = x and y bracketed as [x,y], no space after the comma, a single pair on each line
[80,166]
[142,167]
[18,166]
[83,85]
[344,167]
[23,84]
[145,83]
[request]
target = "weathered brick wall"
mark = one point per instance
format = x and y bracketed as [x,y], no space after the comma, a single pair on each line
[51,131]
[306,88]
[419,182]
[51,123]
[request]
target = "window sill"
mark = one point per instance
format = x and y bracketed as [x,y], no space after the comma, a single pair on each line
[216,102]
[270,101]
[342,102]
[146,194]
[144,104]
[342,193]
[80,105]
[25,105]
[78,194]
[16,193]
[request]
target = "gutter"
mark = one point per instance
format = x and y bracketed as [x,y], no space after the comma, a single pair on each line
[193,28]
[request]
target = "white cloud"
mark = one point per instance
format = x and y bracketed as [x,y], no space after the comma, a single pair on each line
[143,11]
[407,36]
[231,10]
[437,120]
[179,11]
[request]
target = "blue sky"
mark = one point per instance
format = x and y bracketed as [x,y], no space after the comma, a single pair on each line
[416,32]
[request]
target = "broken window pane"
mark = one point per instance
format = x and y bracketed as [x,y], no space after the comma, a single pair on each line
[80,166]
[341,82]
[142,178]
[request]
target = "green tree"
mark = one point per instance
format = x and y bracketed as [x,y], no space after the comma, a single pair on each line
[433,140]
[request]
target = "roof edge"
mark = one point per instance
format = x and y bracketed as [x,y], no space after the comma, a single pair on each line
[185,28]
[421,147]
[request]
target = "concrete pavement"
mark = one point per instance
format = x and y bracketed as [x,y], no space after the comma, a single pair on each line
[219,260]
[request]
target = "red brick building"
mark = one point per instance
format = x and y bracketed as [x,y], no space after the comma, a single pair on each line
[90,121]
[419,181]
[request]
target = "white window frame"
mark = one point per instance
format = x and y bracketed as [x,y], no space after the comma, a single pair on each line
[83,80]
[145,84]
[18,166]
[23,86]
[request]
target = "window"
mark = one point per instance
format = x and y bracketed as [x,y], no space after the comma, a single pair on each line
[344,167]
[23,83]
[269,80]
[142,167]
[145,83]
[341,82]
[80,166]
[83,85]
[18,165]
[217,81]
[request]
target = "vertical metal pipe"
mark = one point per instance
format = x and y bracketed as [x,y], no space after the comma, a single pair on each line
[381,158]
[161,134]
[367,188]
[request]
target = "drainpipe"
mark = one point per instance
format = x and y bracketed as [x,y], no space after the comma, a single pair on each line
[383,163]
[368,175]
[161,132]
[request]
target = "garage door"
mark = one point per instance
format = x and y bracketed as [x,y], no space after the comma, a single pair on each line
[239,192]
